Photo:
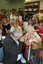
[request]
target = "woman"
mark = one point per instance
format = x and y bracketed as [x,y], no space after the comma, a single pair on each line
[25,24]
[36,23]
[34,39]
[2,36]
[19,22]
[8,20]
[6,27]
[40,28]
[12,17]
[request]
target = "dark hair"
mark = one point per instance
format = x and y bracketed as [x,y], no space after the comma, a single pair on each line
[40,21]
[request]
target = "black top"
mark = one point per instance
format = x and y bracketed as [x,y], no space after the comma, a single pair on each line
[3,34]
[0,43]
[11,50]
[6,27]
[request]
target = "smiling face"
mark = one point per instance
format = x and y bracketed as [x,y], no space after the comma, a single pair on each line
[5,21]
[41,24]
[30,32]
[36,19]
[17,20]
[15,25]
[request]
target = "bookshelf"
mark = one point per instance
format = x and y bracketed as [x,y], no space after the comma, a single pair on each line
[32,6]
[20,10]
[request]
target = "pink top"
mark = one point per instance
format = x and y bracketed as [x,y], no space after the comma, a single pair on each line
[40,30]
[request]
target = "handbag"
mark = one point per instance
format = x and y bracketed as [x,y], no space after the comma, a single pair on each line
[36,45]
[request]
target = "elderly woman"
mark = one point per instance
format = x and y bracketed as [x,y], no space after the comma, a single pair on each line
[14,25]
[34,39]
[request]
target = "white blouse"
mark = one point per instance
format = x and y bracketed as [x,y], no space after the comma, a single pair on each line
[33,39]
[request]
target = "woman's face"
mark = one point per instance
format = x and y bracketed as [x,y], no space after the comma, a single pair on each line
[36,19]
[41,24]
[15,25]
[0,31]
[5,21]
[30,32]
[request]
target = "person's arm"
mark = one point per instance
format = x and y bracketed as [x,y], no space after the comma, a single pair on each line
[20,23]
[10,17]
[11,47]
[37,37]
[21,18]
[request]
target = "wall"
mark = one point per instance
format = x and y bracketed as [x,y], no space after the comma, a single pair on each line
[41,5]
[20,4]
[7,5]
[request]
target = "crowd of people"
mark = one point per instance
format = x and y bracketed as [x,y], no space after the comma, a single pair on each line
[21,40]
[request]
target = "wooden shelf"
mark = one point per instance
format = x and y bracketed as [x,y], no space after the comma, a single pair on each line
[33,6]
[30,6]
[26,7]
[36,6]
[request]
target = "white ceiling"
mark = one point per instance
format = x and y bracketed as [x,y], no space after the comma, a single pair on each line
[31,0]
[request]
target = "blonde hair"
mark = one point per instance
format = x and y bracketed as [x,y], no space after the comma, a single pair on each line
[30,28]
[14,22]
[1,27]
[17,18]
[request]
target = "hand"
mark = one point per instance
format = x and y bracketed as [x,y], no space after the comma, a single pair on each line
[13,19]
[37,24]
[32,36]
[30,43]
[26,42]
[29,37]
[25,38]
[22,39]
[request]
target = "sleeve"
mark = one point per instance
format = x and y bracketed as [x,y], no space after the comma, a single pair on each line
[10,17]
[6,15]
[20,18]
[9,46]
[3,16]
[12,29]
[20,24]
[38,29]
[15,17]
[8,27]
[36,35]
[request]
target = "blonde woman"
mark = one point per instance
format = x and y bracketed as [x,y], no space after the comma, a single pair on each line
[6,26]
[30,38]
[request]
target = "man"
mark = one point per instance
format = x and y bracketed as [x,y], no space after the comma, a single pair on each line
[13,46]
